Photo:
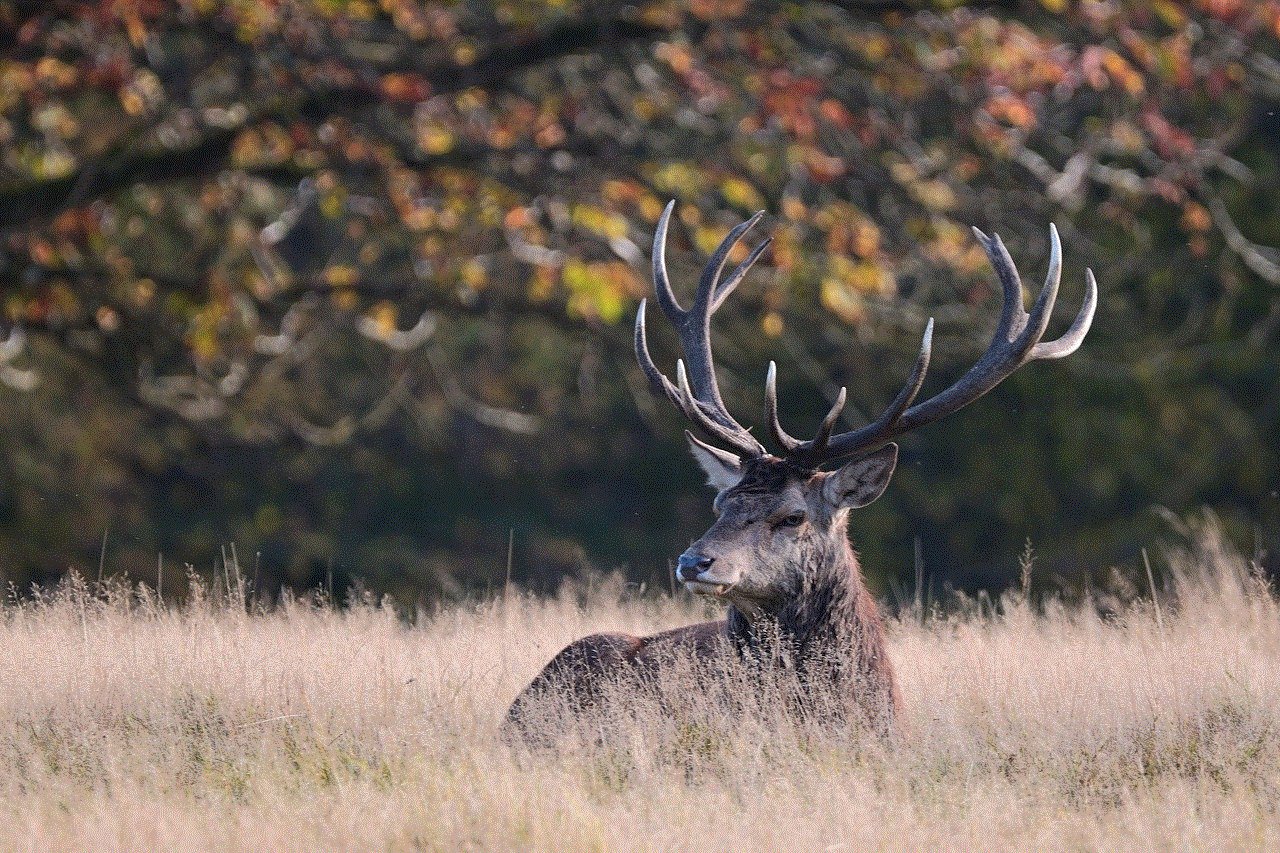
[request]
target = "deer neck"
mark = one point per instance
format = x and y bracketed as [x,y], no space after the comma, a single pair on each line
[829,610]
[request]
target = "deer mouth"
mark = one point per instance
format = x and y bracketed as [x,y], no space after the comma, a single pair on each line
[709,587]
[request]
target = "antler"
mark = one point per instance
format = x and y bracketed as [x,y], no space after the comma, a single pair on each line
[696,393]
[1016,341]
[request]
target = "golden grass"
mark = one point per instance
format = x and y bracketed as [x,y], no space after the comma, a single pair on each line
[130,727]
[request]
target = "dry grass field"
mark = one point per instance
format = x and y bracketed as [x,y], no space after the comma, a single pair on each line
[126,726]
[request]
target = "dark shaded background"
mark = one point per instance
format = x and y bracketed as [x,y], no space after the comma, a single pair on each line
[348,285]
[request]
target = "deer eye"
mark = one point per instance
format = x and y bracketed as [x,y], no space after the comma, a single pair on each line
[795,519]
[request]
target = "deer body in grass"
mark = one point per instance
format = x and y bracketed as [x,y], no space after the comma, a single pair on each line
[778,554]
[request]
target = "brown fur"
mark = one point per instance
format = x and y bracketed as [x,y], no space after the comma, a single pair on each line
[831,635]
[580,675]
[810,618]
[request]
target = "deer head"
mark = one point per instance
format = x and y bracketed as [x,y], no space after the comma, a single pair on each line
[781,518]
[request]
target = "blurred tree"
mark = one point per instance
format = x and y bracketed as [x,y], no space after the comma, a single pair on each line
[350,283]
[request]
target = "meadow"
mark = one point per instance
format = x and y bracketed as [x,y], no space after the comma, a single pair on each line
[128,725]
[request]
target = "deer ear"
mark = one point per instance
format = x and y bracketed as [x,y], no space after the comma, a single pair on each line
[724,470]
[861,481]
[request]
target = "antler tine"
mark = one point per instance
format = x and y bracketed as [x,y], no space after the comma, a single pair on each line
[710,282]
[829,422]
[1016,341]
[661,284]
[726,287]
[696,392]
[726,458]
[818,450]
[915,381]
[696,411]
[1030,328]
[1037,322]
[710,288]
[1071,339]
[788,443]
[656,377]
[695,325]
[1012,315]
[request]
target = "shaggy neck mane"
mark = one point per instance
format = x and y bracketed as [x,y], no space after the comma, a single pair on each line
[829,627]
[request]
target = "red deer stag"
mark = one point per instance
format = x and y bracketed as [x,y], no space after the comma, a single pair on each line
[778,553]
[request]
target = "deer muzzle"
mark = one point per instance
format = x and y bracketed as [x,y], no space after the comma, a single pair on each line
[696,571]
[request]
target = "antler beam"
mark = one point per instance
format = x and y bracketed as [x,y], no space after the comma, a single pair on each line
[1016,342]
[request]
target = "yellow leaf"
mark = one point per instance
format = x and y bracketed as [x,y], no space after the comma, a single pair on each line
[475,275]
[383,316]
[333,203]
[843,301]
[434,139]
[875,47]
[793,208]
[340,275]
[935,195]
[343,298]
[602,222]
[650,207]
[1171,13]
[741,194]
[595,290]
[771,324]
[679,179]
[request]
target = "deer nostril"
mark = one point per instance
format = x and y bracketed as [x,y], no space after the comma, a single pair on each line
[691,565]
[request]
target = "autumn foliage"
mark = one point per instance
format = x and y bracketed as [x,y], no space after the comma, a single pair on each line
[349,284]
